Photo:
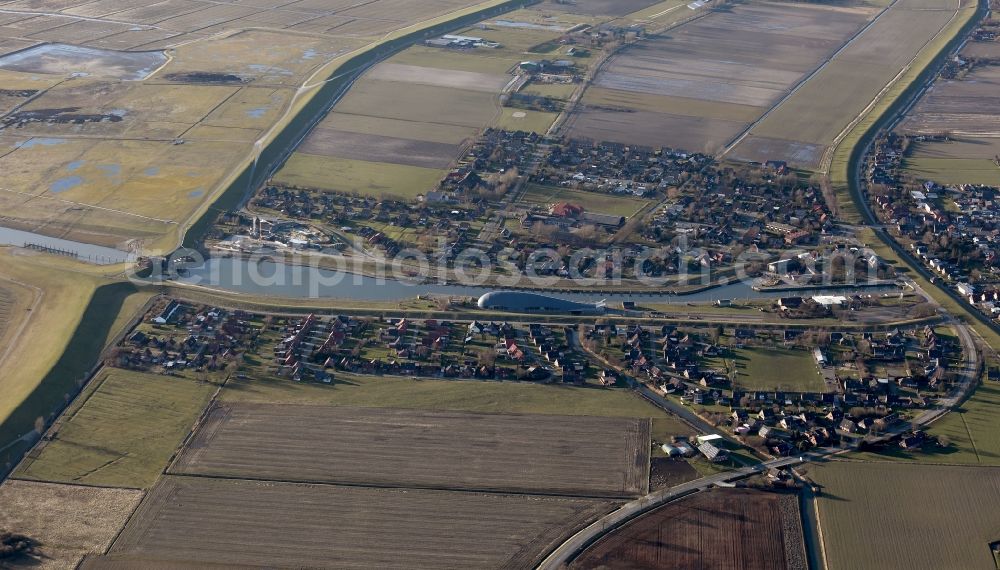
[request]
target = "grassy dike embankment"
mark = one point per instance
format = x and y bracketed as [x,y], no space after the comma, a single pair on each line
[322,90]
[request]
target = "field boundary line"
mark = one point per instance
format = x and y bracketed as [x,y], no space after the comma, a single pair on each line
[405,487]
[972,440]
[801,83]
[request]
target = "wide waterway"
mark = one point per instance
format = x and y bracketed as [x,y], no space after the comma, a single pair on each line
[275,279]
[270,278]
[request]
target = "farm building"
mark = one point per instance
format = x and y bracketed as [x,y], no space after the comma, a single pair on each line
[522,302]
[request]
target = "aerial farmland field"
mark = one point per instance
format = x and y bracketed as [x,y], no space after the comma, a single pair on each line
[123,434]
[908,516]
[452,395]
[803,126]
[420,107]
[197,520]
[73,320]
[70,521]
[700,85]
[150,137]
[338,444]
[967,108]
[720,528]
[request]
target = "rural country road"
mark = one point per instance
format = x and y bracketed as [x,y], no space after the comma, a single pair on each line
[563,554]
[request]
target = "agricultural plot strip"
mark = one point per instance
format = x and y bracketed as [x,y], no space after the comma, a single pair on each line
[722,528]
[803,126]
[201,521]
[882,515]
[406,448]
[702,84]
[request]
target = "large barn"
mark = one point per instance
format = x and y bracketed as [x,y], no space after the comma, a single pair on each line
[524,302]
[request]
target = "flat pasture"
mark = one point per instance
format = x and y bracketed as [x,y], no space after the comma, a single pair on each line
[486,62]
[720,528]
[600,7]
[442,450]
[451,395]
[907,516]
[953,170]
[702,83]
[514,119]
[420,103]
[202,521]
[70,521]
[123,434]
[378,179]
[599,202]
[378,148]
[450,78]
[396,128]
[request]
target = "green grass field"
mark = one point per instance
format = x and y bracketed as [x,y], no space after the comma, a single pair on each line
[776,369]
[954,170]
[591,201]
[882,515]
[123,434]
[970,431]
[376,179]
[561,91]
[457,395]
[78,314]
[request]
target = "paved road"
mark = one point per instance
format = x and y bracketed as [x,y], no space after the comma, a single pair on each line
[644,391]
[563,554]
[579,541]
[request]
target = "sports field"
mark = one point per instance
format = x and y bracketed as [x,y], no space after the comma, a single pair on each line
[122,434]
[201,521]
[907,516]
[445,450]
[357,176]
